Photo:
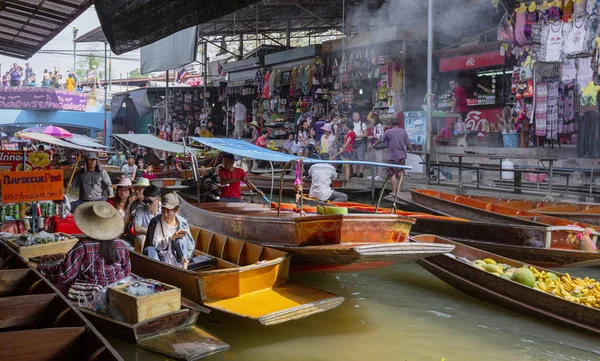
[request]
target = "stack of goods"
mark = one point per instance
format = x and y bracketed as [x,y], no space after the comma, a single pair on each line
[584,291]
[144,288]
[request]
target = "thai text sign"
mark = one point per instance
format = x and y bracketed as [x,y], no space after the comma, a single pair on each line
[12,160]
[32,186]
[33,98]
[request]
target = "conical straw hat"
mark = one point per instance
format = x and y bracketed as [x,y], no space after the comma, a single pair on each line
[99,220]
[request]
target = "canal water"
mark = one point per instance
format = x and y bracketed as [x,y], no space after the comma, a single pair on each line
[399,313]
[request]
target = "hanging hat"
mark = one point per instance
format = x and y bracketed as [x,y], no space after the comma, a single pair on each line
[99,220]
[326,127]
[125,182]
[254,123]
[142,182]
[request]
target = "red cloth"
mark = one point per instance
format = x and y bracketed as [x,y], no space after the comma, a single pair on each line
[261,142]
[461,99]
[233,189]
[84,264]
[350,146]
[149,176]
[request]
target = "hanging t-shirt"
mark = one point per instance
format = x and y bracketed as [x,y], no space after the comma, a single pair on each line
[568,70]
[554,43]
[541,108]
[585,73]
[575,39]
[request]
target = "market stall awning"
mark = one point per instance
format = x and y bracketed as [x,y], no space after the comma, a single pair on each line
[26,26]
[244,149]
[45,138]
[150,141]
[85,141]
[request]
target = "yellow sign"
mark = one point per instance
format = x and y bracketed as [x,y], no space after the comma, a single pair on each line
[43,185]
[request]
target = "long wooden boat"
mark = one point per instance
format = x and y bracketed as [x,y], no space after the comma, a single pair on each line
[524,243]
[248,280]
[174,334]
[561,231]
[37,323]
[503,292]
[331,243]
[579,212]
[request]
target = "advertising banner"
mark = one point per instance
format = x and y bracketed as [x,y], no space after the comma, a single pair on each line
[12,160]
[34,98]
[415,124]
[43,185]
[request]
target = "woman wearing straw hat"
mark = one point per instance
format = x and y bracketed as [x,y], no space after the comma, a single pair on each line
[169,239]
[99,259]
[255,131]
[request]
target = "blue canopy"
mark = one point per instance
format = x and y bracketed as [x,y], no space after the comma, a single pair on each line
[245,149]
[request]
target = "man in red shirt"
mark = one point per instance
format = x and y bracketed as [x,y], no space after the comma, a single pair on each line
[460,99]
[230,180]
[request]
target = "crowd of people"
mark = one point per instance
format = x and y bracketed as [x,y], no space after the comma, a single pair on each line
[19,76]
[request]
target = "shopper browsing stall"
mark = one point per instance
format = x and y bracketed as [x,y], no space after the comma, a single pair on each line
[377,144]
[398,143]
[327,143]
[169,239]
[360,145]
[93,182]
[99,259]
[240,115]
[347,151]
[460,99]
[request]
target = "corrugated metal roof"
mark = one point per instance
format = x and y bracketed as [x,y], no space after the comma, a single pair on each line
[27,25]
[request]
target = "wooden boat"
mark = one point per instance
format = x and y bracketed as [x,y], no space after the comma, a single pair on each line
[333,243]
[37,323]
[174,334]
[584,213]
[517,242]
[561,232]
[248,280]
[503,292]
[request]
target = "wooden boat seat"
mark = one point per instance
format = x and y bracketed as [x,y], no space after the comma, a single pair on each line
[19,311]
[50,344]
[21,281]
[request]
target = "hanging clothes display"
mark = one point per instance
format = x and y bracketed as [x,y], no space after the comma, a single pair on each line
[580,8]
[567,10]
[553,46]
[575,40]
[585,73]
[566,107]
[568,70]
[592,6]
[541,108]
[531,17]
[552,111]
[520,23]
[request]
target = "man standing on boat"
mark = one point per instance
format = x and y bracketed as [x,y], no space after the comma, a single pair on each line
[93,182]
[230,180]
[322,174]
[398,143]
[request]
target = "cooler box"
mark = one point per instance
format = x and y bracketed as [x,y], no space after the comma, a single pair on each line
[135,309]
[66,225]
[535,177]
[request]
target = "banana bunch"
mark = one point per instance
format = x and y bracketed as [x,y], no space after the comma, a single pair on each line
[582,291]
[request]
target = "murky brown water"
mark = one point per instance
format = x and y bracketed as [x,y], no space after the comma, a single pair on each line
[399,313]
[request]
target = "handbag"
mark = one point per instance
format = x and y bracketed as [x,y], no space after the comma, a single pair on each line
[335,68]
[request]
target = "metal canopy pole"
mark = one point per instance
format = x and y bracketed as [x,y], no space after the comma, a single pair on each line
[106,136]
[429,74]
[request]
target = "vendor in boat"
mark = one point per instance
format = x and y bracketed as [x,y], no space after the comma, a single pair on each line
[151,158]
[117,160]
[172,164]
[99,259]
[320,188]
[93,182]
[169,239]
[144,213]
[230,179]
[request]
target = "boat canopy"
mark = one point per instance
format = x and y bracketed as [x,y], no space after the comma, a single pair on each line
[45,138]
[244,149]
[150,141]
[85,141]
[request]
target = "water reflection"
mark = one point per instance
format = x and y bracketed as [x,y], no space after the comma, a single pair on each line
[396,313]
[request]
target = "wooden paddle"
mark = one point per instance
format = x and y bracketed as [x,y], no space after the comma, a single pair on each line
[73,173]
[254,188]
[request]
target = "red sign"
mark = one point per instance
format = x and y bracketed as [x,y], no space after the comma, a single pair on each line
[44,185]
[478,117]
[474,61]
[12,160]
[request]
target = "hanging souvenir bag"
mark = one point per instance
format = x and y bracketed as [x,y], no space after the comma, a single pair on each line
[350,64]
[335,68]
[343,65]
[505,30]
[358,62]
[366,60]
[381,59]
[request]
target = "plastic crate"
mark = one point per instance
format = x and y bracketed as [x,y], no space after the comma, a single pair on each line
[535,177]
[66,225]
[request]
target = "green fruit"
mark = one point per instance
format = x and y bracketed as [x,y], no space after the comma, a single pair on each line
[336,210]
[552,276]
[489,261]
[524,276]
[492,268]
[506,276]
[479,262]
[478,266]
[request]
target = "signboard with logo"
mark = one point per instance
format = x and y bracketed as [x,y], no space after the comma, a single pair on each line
[12,160]
[32,186]
[415,124]
[474,61]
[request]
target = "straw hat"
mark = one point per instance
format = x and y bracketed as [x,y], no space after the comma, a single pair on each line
[99,220]
[125,182]
[326,127]
[254,123]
